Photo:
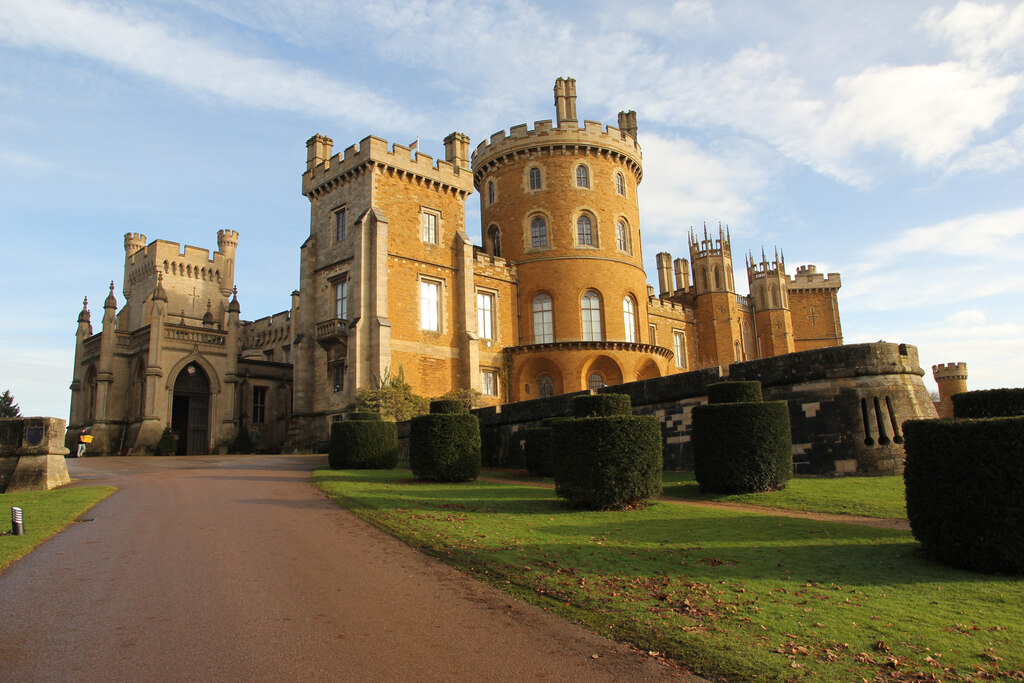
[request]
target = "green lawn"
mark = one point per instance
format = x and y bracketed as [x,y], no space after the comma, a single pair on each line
[45,513]
[725,592]
[865,496]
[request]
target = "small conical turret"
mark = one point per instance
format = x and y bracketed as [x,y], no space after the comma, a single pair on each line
[159,293]
[84,316]
[111,300]
[208,316]
[233,307]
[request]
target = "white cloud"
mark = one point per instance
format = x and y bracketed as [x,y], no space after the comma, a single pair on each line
[22,162]
[1002,155]
[127,40]
[981,32]
[968,317]
[928,112]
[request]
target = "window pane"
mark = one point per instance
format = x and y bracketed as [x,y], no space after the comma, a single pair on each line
[679,341]
[591,309]
[484,317]
[534,178]
[490,192]
[582,176]
[429,309]
[620,236]
[341,300]
[543,323]
[489,382]
[584,234]
[539,232]
[595,382]
[629,318]
[339,225]
[430,228]
[620,184]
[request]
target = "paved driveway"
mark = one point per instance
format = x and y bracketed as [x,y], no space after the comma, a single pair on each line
[237,568]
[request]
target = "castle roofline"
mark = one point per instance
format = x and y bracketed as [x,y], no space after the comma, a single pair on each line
[373,150]
[592,135]
[808,277]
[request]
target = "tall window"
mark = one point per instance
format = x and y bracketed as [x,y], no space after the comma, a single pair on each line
[543,323]
[582,176]
[620,184]
[718,278]
[595,382]
[584,232]
[621,236]
[490,192]
[653,330]
[338,375]
[539,232]
[534,178]
[339,224]
[629,318]
[679,346]
[484,315]
[341,300]
[494,237]
[489,382]
[430,227]
[546,386]
[591,309]
[259,405]
[430,305]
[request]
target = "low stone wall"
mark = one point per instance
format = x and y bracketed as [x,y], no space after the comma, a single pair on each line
[847,405]
[32,454]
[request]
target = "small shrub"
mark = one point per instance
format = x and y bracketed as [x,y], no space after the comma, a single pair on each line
[470,398]
[989,403]
[242,442]
[363,443]
[600,405]
[742,447]
[445,446]
[965,491]
[606,463]
[168,442]
[734,392]
[448,406]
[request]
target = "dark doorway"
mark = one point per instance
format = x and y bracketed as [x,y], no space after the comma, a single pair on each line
[190,411]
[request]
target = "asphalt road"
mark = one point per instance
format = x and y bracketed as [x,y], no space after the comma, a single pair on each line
[237,568]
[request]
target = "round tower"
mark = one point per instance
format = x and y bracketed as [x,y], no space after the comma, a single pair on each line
[227,242]
[952,379]
[133,242]
[560,203]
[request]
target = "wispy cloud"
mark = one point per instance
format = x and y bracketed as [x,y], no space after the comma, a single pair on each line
[128,40]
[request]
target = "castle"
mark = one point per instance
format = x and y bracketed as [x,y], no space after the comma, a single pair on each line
[555,301]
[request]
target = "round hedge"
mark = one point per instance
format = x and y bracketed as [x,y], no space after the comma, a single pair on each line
[601,405]
[606,463]
[447,406]
[365,417]
[965,491]
[989,403]
[742,447]
[363,445]
[734,392]
[444,447]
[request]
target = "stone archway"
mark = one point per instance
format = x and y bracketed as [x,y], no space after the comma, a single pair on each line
[190,410]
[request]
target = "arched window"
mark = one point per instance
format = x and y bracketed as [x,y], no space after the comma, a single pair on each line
[582,176]
[718,278]
[775,295]
[538,232]
[591,309]
[703,279]
[760,297]
[494,241]
[736,346]
[584,231]
[534,178]
[622,236]
[543,324]
[595,381]
[490,192]
[629,318]
[546,386]
[620,184]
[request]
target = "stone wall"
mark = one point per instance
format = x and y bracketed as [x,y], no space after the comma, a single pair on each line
[32,454]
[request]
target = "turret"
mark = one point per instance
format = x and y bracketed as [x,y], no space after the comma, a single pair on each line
[664,261]
[318,150]
[84,320]
[456,150]
[773,320]
[682,268]
[712,262]
[627,123]
[133,242]
[227,242]
[110,307]
[565,102]
[952,379]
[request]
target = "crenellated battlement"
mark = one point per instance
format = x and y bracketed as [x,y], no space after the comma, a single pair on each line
[325,171]
[764,269]
[709,246]
[268,332]
[668,308]
[949,371]
[592,137]
[808,277]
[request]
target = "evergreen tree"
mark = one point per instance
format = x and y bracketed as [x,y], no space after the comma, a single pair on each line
[8,408]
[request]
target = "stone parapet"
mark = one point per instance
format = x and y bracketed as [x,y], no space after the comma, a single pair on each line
[808,277]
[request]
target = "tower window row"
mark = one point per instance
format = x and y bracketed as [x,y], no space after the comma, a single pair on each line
[586,235]
[535,182]
[590,317]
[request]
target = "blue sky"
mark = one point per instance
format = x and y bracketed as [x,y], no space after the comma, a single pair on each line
[881,140]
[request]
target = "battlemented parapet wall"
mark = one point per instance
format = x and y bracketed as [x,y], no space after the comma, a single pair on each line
[847,406]
[32,454]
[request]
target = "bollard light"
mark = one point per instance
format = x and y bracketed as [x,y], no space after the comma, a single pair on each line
[17,522]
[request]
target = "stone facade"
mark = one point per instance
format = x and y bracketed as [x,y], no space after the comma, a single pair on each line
[555,301]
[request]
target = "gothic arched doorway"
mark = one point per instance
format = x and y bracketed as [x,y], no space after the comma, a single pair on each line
[190,410]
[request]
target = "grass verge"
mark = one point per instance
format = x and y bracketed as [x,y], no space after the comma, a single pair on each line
[45,513]
[724,592]
[865,496]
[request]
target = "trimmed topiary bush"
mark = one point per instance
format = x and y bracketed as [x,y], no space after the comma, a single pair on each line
[600,405]
[735,392]
[445,446]
[539,450]
[448,406]
[168,442]
[242,442]
[988,403]
[607,463]
[363,443]
[965,491]
[742,447]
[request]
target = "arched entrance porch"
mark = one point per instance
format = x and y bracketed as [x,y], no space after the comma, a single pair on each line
[190,410]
